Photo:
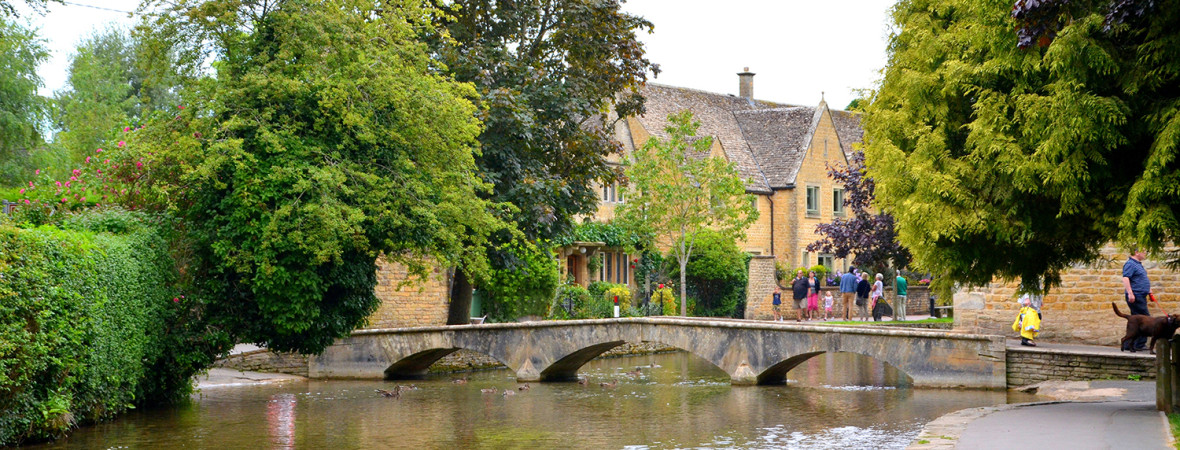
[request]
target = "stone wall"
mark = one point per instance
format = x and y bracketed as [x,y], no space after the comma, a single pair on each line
[1078,311]
[760,288]
[1028,366]
[266,361]
[418,304]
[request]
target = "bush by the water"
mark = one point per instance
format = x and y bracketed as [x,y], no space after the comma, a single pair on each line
[523,287]
[91,323]
[716,276]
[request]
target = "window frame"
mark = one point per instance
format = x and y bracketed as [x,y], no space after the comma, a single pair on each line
[838,203]
[812,211]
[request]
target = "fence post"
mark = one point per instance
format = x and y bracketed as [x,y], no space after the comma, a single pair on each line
[1163,377]
[1174,381]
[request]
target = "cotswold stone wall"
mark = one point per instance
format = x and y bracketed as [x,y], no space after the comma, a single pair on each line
[1028,366]
[760,288]
[266,361]
[1078,311]
[421,303]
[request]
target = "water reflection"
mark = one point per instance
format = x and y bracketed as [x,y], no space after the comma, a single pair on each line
[671,401]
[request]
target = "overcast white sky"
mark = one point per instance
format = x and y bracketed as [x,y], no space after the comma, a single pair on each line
[798,49]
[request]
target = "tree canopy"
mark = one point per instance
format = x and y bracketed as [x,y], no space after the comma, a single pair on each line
[328,136]
[21,108]
[112,84]
[548,74]
[999,161]
[679,191]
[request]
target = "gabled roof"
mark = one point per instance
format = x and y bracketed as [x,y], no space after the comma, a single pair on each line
[715,113]
[848,129]
[778,139]
[766,141]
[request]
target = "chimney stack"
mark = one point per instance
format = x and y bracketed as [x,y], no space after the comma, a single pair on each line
[746,84]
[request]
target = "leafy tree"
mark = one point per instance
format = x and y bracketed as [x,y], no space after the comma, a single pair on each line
[1016,163]
[327,137]
[110,86]
[678,192]
[7,8]
[548,73]
[867,234]
[21,108]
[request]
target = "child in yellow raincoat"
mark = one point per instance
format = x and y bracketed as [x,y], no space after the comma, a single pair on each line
[1028,323]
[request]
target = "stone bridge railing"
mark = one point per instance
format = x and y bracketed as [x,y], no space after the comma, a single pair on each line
[750,352]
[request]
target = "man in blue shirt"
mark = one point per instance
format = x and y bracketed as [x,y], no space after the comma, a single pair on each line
[1136,289]
[848,291]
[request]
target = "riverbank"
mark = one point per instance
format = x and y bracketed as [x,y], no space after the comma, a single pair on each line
[217,378]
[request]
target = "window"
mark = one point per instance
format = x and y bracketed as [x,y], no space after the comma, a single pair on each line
[754,202]
[838,202]
[616,268]
[827,260]
[611,193]
[813,200]
[806,259]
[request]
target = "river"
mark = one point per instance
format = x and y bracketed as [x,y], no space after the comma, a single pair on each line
[673,400]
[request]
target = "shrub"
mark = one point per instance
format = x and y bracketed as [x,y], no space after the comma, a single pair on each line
[91,324]
[666,299]
[597,289]
[525,286]
[821,271]
[570,299]
[620,291]
[716,276]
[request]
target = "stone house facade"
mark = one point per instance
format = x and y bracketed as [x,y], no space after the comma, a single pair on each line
[782,151]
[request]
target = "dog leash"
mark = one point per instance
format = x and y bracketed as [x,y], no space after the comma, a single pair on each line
[1157,304]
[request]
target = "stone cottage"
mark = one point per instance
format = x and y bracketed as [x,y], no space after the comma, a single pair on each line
[783,151]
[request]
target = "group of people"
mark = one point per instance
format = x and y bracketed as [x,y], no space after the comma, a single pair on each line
[855,288]
[805,293]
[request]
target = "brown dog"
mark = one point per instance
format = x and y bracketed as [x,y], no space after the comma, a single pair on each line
[1156,327]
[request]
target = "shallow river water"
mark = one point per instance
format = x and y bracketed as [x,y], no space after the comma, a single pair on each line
[675,400]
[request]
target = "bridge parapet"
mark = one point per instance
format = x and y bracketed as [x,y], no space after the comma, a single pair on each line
[750,352]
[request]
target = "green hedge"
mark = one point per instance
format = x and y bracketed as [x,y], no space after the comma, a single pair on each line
[88,325]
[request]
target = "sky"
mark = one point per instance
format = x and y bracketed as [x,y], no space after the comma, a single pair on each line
[799,50]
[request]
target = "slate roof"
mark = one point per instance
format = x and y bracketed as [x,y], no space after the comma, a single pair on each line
[766,141]
[715,113]
[848,129]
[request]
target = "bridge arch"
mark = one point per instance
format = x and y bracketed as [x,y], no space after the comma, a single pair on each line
[750,352]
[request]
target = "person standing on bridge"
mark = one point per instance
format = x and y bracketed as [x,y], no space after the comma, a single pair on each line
[848,291]
[813,287]
[863,288]
[899,297]
[1136,289]
[799,289]
[776,304]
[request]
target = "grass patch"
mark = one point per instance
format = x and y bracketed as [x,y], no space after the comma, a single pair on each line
[1174,422]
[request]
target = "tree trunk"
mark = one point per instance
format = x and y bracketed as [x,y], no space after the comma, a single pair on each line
[683,289]
[460,309]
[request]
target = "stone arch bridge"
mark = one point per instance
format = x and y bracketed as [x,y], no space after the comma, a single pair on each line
[750,352]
